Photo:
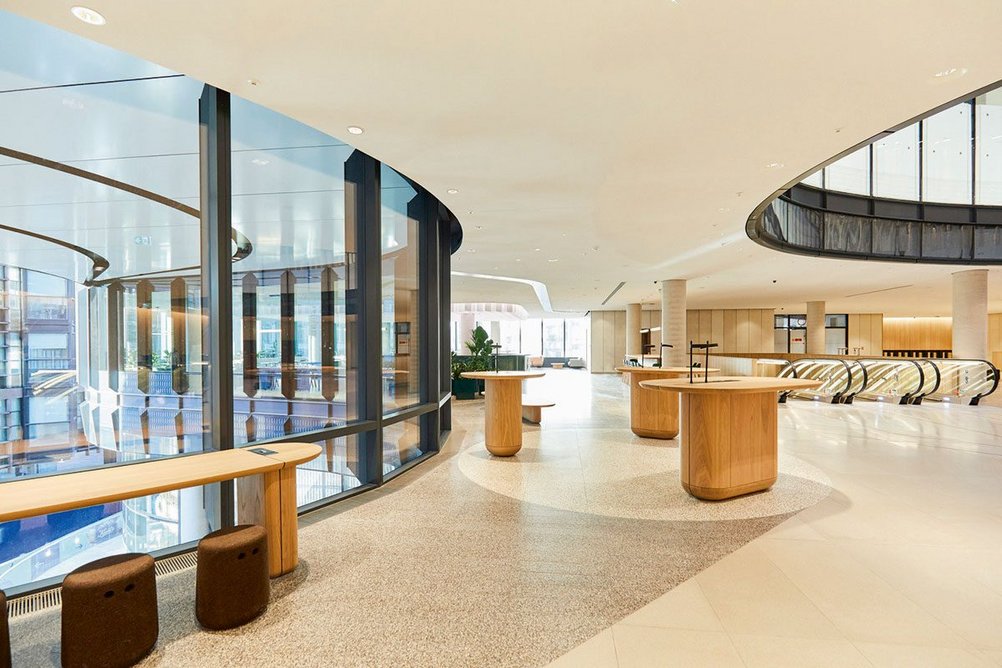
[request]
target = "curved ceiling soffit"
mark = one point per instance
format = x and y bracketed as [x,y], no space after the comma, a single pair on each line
[539,288]
[243,245]
[755,218]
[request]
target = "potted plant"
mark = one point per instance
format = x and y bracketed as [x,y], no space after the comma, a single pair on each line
[480,347]
[462,388]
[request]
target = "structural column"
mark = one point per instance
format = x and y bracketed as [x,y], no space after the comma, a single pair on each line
[673,322]
[633,339]
[815,328]
[970,314]
[467,323]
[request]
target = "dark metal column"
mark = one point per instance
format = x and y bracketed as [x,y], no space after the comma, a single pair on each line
[217,280]
[363,305]
[423,209]
[179,334]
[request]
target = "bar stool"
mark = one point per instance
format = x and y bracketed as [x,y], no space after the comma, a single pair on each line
[4,633]
[232,586]
[110,612]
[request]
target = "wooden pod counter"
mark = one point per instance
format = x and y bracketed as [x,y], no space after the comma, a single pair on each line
[654,413]
[729,440]
[503,419]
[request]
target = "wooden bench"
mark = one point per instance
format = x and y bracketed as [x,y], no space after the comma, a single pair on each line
[52,494]
[532,408]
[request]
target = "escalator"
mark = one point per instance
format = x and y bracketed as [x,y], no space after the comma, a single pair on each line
[901,381]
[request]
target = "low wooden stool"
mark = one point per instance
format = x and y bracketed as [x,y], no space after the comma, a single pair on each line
[232,585]
[532,408]
[110,612]
[4,634]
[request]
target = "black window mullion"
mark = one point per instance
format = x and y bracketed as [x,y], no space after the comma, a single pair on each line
[217,280]
[363,303]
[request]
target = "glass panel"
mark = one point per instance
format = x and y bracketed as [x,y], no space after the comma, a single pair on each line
[988,140]
[509,336]
[401,345]
[896,165]
[897,238]
[848,234]
[553,338]
[289,322]
[101,372]
[333,472]
[815,179]
[851,173]
[532,336]
[946,152]
[947,241]
[577,330]
[401,443]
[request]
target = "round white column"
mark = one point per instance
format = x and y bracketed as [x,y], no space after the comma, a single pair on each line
[633,339]
[467,323]
[815,328]
[673,322]
[970,314]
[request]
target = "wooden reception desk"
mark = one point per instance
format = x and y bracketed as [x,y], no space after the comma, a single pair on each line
[503,418]
[654,413]
[729,440]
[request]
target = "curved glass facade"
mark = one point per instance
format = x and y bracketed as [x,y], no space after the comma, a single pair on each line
[183,271]
[951,157]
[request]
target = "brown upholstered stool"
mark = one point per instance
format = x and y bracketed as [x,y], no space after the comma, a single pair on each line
[4,634]
[232,586]
[110,612]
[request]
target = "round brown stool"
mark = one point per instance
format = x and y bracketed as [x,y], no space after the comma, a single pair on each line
[110,612]
[232,586]
[4,634]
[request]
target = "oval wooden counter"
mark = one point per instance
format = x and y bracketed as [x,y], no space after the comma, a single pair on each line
[729,440]
[503,419]
[653,413]
[50,494]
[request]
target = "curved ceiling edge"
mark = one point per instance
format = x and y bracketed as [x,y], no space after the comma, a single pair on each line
[539,288]
[243,246]
[754,225]
[99,264]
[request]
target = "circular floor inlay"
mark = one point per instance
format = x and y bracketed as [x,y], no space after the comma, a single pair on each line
[606,472]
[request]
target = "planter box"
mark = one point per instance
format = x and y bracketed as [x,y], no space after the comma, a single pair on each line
[464,388]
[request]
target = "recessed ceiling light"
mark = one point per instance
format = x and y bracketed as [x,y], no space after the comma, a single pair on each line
[355,130]
[88,15]
[774,165]
[536,249]
[553,259]
[253,82]
[480,227]
[452,191]
[518,259]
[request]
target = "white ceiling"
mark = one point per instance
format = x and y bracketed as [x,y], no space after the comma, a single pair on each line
[628,141]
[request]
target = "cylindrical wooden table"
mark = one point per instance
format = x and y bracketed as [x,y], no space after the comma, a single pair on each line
[503,421]
[654,413]
[729,440]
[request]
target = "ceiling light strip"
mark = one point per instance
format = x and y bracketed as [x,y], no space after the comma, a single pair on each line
[539,288]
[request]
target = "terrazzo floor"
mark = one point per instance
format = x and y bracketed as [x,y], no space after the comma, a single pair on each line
[582,540]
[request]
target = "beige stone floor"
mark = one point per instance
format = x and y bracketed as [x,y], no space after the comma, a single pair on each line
[582,546]
[900,566]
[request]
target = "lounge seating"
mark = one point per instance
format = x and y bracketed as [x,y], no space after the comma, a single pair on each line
[231,581]
[536,362]
[110,612]
[575,363]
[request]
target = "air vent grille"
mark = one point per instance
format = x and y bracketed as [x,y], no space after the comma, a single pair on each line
[51,598]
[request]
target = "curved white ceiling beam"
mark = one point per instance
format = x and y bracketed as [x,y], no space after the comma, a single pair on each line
[539,288]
